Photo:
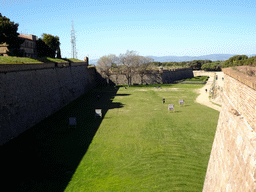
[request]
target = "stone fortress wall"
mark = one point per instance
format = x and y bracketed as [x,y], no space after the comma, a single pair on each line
[31,92]
[232,164]
[203,73]
[159,77]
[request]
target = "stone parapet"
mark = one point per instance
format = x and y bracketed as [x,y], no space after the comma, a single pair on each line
[37,66]
[241,92]
[243,78]
[203,73]
[78,63]
[24,67]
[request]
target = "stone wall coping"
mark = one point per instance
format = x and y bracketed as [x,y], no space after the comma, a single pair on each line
[250,81]
[35,66]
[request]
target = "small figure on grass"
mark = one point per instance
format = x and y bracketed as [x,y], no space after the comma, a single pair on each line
[163,100]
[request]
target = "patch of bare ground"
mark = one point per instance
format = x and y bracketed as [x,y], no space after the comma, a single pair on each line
[203,98]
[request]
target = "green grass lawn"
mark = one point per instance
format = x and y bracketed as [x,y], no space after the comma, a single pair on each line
[194,80]
[198,78]
[138,145]
[28,60]
[144,147]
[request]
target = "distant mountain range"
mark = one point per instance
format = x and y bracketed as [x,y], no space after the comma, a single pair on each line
[213,57]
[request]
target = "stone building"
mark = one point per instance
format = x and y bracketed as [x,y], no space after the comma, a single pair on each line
[3,49]
[28,46]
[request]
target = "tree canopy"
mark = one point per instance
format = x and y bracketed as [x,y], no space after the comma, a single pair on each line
[128,64]
[9,35]
[53,44]
[235,61]
[132,62]
[106,63]
[43,50]
[213,66]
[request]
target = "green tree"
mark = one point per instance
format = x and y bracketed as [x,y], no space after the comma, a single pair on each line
[43,50]
[9,35]
[53,43]
[251,61]
[236,60]
[197,64]
[58,53]
[214,66]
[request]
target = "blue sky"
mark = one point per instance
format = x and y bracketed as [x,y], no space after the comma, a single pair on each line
[150,27]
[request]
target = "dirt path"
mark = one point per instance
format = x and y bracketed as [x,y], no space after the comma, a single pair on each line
[203,98]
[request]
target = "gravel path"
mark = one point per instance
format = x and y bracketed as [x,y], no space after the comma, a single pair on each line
[203,98]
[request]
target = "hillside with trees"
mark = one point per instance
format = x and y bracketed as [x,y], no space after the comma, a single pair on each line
[206,65]
[239,60]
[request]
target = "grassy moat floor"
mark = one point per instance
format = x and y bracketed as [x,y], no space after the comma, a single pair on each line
[138,145]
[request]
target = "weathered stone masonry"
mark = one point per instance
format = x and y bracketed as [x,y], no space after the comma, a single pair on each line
[31,92]
[159,77]
[232,164]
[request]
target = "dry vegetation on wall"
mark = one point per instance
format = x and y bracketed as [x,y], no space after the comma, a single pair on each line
[247,70]
[244,74]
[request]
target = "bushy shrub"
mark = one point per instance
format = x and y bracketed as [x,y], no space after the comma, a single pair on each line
[236,60]
[251,61]
[214,66]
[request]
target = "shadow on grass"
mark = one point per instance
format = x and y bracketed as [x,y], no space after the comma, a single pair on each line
[45,157]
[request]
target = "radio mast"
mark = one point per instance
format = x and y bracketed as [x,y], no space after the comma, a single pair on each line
[73,42]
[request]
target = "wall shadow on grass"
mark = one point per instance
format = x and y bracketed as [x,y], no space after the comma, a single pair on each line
[45,157]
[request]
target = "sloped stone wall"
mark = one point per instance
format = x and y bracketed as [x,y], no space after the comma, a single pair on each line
[232,164]
[31,93]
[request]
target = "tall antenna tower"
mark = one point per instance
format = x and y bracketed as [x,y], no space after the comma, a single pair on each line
[73,42]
